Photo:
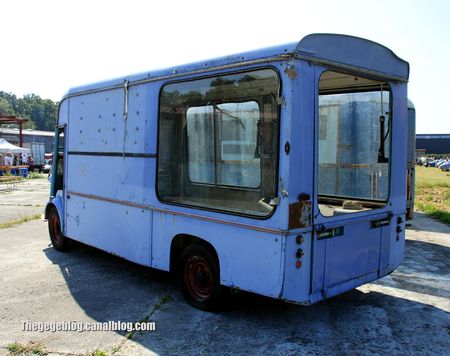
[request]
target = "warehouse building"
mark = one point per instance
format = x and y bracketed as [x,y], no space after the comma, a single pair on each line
[433,143]
[12,136]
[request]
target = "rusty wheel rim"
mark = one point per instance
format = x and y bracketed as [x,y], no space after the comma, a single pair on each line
[198,278]
[56,228]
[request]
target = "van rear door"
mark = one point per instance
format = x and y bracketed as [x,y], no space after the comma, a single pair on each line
[352,177]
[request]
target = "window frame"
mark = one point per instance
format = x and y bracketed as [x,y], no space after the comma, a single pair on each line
[373,204]
[218,153]
[189,77]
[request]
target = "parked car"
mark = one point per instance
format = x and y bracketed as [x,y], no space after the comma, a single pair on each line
[445,166]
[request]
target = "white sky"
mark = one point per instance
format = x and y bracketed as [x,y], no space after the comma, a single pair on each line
[48,46]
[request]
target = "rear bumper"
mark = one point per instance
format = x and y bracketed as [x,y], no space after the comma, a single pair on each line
[306,285]
[343,287]
[347,286]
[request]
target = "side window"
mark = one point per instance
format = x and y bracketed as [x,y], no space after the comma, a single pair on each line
[218,141]
[238,162]
[223,144]
[200,139]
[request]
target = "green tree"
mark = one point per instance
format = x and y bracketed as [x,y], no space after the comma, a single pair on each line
[41,112]
[5,107]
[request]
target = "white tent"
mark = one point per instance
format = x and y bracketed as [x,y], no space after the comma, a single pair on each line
[6,147]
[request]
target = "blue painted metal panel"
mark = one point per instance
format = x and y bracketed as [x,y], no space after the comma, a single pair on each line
[63,115]
[399,149]
[97,122]
[299,132]
[397,243]
[295,172]
[256,255]
[250,260]
[98,125]
[123,231]
[343,287]
[297,280]
[318,248]
[130,179]
[140,125]
[355,52]
[353,254]
[385,247]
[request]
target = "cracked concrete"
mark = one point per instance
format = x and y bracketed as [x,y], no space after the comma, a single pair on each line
[27,199]
[404,313]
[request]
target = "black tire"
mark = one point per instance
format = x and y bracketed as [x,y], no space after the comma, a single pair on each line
[59,241]
[200,278]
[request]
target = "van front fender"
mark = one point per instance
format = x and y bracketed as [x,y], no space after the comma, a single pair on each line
[58,202]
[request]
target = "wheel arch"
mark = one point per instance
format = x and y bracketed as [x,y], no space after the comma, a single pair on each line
[180,242]
[56,203]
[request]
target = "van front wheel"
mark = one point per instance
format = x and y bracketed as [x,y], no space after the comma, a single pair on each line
[59,241]
[200,277]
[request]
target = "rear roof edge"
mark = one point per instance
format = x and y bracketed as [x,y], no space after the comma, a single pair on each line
[353,52]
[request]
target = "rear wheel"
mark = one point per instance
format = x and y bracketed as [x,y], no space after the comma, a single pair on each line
[59,241]
[200,277]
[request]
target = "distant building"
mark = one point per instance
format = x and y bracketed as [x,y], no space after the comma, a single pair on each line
[421,152]
[12,136]
[433,143]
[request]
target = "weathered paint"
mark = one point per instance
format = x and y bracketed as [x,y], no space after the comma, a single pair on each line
[111,150]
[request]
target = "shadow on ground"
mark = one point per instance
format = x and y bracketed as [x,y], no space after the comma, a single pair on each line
[109,288]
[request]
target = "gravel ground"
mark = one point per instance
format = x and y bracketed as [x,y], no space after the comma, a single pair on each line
[404,313]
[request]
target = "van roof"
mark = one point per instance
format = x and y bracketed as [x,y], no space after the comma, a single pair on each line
[335,50]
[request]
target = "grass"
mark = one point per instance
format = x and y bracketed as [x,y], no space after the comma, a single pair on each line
[115,349]
[19,221]
[32,348]
[158,306]
[36,175]
[163,300]
[432,193]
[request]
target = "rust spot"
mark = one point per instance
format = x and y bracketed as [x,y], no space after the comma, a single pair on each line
[300,214]
[290,71]
[304,196]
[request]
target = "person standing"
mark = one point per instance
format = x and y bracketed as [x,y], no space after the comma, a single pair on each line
[24,157]
[8,160]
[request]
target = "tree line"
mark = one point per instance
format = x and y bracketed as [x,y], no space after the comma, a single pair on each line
[41,112]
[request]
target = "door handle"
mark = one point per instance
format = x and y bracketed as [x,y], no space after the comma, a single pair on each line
[327,233]
[380,222]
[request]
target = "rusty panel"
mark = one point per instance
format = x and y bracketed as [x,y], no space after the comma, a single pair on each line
[300,214]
